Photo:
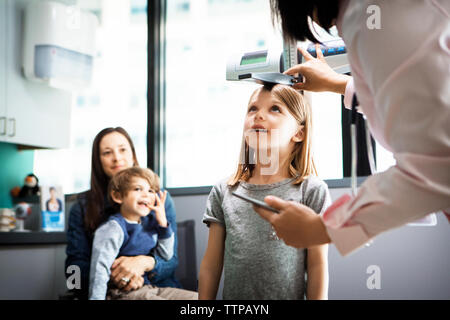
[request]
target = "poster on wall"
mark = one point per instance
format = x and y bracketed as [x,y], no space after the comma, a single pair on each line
[52,208]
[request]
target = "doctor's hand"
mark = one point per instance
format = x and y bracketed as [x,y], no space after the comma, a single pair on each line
[297,225]
[318,75]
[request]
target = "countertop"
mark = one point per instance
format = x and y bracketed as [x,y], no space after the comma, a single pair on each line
[32,237]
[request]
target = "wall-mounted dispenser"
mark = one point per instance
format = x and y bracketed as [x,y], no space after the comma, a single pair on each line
[59,45]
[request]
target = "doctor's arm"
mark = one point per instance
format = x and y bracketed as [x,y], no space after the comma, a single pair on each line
[296,224]
[318,75]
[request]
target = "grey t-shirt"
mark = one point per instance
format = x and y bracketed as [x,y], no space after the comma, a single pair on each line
[256,267]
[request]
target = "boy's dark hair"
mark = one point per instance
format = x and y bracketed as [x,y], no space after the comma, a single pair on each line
[121,181]
[293,15]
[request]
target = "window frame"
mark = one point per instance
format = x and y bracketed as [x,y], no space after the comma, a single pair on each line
[156,12]
[156,133]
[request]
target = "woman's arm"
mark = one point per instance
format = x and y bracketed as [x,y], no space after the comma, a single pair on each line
[212,263]
[317,270]
[78,250]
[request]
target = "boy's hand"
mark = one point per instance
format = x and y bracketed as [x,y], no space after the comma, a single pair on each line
[160,211]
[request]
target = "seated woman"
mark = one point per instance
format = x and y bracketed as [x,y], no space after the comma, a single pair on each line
[113,151]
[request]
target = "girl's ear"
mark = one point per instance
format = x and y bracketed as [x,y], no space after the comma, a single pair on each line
[300,135]
[117,198]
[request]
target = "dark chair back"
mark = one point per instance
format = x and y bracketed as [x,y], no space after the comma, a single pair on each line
[186,272]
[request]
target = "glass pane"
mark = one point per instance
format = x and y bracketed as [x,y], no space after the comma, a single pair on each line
[326,146]
[327,134]
[204,112]
[117,97]
[384,158]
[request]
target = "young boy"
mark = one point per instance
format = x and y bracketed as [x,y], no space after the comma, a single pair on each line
[133,231]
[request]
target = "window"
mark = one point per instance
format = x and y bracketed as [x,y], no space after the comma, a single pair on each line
[204,113]
[327,142]
[384,158]
[117,96]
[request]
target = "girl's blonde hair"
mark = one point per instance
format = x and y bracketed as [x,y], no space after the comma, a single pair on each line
[301,162]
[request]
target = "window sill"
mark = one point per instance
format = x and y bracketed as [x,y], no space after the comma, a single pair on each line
[204,190]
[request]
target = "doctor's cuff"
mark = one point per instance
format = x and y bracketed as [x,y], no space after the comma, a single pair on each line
[346,237]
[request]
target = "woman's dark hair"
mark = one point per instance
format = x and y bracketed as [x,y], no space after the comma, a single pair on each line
[99,181]
[293,15]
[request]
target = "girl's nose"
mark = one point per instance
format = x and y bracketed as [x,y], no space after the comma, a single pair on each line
[259,115]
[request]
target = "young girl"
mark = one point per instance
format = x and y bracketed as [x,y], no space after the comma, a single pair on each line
[276,159]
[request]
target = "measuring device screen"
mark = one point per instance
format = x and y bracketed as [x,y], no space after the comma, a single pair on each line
[255,57]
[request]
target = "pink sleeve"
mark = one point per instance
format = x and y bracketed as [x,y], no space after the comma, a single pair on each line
[345,238]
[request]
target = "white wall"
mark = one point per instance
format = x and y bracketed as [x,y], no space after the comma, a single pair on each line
[32,272]
[30,107]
